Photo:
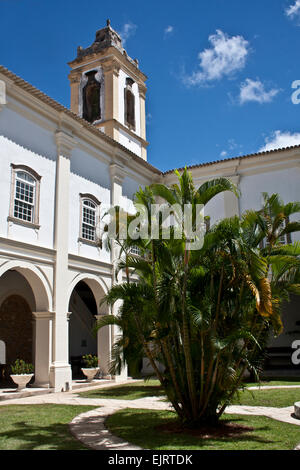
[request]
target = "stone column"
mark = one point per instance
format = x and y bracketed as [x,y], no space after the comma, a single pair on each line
[111,107]
[43,347]
[116,177]
[74,78]
[60,371]
[142,94]
[104,346]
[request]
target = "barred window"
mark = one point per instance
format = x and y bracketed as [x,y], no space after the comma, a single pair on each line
[285,239]
[88,226]
[24,198]
[135,250]
[129,104]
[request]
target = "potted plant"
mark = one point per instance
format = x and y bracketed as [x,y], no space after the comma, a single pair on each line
[91,369]
[22,373]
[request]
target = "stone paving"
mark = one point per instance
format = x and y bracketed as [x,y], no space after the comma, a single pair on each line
[90,429]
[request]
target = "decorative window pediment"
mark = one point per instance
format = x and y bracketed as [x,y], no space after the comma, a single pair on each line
[89,218]
[25,194]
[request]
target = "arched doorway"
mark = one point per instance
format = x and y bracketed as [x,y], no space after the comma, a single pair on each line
[16,322]
[82,339]
[16,329]
[25,333]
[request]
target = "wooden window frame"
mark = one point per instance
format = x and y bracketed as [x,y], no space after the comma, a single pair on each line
[36,204]
[97,203]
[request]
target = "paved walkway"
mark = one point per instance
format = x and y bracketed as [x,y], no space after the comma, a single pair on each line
[89,427]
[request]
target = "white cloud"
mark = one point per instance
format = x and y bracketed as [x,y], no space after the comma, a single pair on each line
[168,30]
[281,139]
[232,147]
[127,31]
[225,56]
[293,10]
[254,90]
[232,144]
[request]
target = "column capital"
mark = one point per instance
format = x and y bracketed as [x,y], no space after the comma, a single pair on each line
[65,143]
[142,90]
[235,179]
[117,173]
[74,77]
[111,65]
[43,315]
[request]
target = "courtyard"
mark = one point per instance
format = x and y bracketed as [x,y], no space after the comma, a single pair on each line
[106,417]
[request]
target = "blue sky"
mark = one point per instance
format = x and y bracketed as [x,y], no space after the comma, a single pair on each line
[220,72]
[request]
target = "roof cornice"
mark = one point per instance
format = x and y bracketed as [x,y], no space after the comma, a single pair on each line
[63,117]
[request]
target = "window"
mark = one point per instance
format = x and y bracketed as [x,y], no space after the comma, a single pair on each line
[91,98]
[129,101]
[89,218]
[135,250]
[285,239]
[25,194]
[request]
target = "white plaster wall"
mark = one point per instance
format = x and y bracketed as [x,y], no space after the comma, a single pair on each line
[131,185]
[284,182]
[135,90]
[127,205]
[88,175]
[215,209]
[24,142]
[13,283]
[130,143]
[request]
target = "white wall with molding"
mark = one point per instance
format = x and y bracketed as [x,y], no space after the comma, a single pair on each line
[16,134]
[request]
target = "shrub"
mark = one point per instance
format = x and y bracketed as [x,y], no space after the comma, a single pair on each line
[90,361]
[21,367]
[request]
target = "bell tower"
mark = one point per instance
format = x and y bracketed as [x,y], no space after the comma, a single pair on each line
[108,90]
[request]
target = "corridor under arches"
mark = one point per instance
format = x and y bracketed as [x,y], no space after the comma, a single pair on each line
[82,340]
[17,328]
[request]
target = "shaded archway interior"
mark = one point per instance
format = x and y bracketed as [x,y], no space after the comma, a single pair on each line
[82,340]
[17,303]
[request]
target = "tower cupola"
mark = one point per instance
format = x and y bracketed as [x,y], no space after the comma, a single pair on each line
[108,90]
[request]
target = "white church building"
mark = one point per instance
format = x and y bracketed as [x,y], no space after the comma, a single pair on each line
[59,169]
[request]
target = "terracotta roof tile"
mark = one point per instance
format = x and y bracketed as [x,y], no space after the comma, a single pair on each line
[54,104]
[59,107]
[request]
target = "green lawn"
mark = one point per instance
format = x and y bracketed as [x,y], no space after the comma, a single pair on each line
[133,391]
[274,382]
[279,398]
[39,427]
[268,434]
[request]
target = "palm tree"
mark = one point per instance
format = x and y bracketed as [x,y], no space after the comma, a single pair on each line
[197,315]
[269,232]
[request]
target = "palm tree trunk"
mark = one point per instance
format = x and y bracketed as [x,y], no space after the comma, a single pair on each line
[187,345]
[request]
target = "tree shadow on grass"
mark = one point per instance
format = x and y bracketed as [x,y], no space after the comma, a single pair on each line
[26,436]
[30,427]
[124,424]
[126,392]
